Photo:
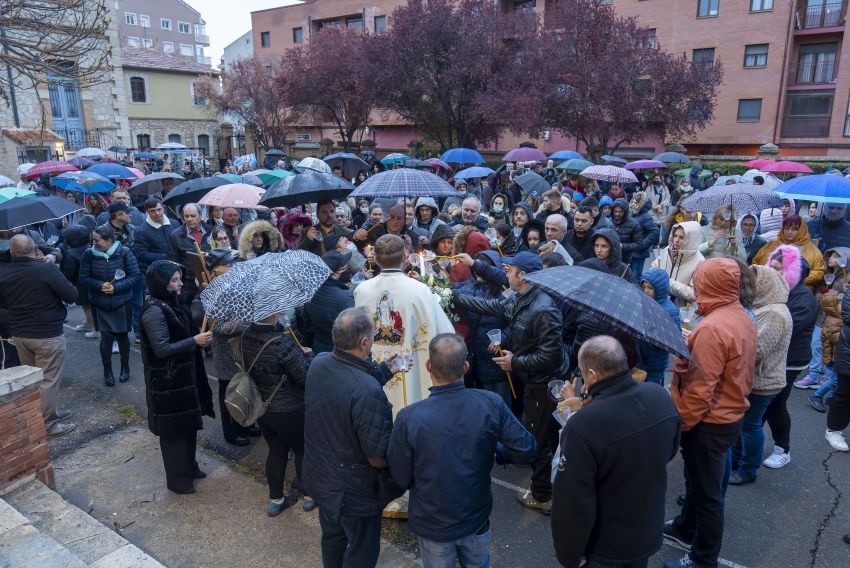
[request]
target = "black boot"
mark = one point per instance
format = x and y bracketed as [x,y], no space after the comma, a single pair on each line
[125,374]
[108,378]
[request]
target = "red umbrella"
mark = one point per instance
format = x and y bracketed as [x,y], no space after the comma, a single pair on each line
[758,164]
[438,163]
[525,155]
[50,167]
[238,195]
[783,167]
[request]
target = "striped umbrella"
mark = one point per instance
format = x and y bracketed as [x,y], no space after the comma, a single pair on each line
[437,163]
[404,182]
[609,173]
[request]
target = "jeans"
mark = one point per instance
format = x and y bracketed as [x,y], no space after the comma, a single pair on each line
[705,450]
[816,364]
[350,542]
[829,385]
[49,355]
[747,451]
[472,551]
[637,267]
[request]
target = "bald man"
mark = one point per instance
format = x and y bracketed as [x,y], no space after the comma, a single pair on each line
[33,295]
[394,225]
[183,240]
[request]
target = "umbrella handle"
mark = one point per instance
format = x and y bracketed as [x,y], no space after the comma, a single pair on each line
[508,373]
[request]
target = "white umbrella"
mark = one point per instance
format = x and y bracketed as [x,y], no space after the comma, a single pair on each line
[314,164]
[91,153]
[24,168]
[171,146]
[6,182]
[770,180]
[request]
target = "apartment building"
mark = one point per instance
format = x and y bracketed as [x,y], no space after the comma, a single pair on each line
[167,26]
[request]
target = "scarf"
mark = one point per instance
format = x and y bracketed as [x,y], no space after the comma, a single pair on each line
[108,253]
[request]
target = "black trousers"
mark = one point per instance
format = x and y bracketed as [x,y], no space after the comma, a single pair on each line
[838,417]
[283,431]
[229,427]
[350,542]
[178,457]
[538,409]
[704,450]
[777,416]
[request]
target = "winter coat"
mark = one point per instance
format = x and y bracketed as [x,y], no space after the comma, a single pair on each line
[181,243]
[499,217]
[810,252]
[479,223]
[658,195]
[681,268]
[841,364]
[721,248]
[654,359]
[330,299]
[77,240]
[272,239]
[290,239]
[614,261]
[804,314]
[639,208]
[754,242]
[151,243]
[714,386]
[471,242]
[770,222]
[693,177]
[95,270]
[631,236]
[774,327]
[427,230]
[830,306]
[33,295]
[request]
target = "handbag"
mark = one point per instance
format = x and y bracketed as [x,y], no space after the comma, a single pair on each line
[242,398]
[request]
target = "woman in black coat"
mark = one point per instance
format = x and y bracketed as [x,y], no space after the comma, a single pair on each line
[176,386]
[111,296]
[77,239]
[330,299]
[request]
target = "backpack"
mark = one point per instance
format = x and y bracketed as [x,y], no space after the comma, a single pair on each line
[242,398]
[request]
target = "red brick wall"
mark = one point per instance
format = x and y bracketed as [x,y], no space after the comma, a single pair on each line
[23,438]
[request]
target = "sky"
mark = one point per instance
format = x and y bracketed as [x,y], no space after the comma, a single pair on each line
[225,23]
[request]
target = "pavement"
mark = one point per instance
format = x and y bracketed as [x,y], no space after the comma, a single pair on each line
[792,517]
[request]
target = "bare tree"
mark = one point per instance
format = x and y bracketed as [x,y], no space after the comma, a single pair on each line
[62,38]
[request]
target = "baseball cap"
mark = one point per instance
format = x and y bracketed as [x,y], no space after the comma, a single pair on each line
[336,260]
[525,261]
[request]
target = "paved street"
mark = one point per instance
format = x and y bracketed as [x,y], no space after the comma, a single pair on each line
[789,518]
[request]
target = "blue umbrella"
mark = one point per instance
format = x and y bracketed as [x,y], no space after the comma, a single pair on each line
[672,158]
[147,155]
[404,182]
[84,182]
[566,155]
[111,171]
[349,163]
[462,156]
[309,187]
[474,172]
[393,158]
[614,160]
[824,188]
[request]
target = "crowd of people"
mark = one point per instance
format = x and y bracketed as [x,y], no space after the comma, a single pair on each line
[759,295]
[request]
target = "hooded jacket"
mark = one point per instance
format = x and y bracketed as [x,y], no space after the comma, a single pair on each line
[630,233]
[503,216]
[721,247]
[650,232]
[289,238]
[77,239]
[804,314]
[471,242]
[615,260]
[754,242]
[829,306]
[774,327]
[658,195]
[652,358]
[810,252]
[714,386]
[770,221]
[681,268]
[429,228]
[441,232]
[272,239]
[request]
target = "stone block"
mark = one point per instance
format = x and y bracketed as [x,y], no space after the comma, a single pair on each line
[10,518]
[27,546]
[127,556]
[17,378]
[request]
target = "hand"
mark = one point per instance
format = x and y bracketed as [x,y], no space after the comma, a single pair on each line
[369,274]
[423,241]
[203,339]
[369,253]
[846,286]
[465,259]
[50,259]
[306,350]
[415,275]
[107,288]
[392,363]
[504,362]
[568,390]
[686,333]
[311,233]
[493,348]
[360,235]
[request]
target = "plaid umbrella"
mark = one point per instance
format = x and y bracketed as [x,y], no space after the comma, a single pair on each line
[152,183]
[404,182]
[273,283]
[614,301]
[309,187]
[609,173]
[744,197]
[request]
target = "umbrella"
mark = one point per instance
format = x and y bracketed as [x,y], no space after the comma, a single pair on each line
[475,172]
[609,173]
[786,167]
[744,197]
[79,162]
[314,164]
[687,171]
[8,193]
[566,155]
[722,180]
[118,149]
[349,163]
[84,182]
[112,171]
[770,181]
[275,152]
[248,178]
[574,166]
[171,146]
[5,182]
[152,183]
[249,159]
[309,187]
[823,188]
[404,182]
[525,155]
[270,177]
[368,152]
[22,211]
[412,163]
[614,160]
[239,195]
[139,174]
[533,184]
[672,158]
[760,163]
[437,163]
[391,159]
[615,302]
[95,153]
[49,167]
[192,190]
[462,156]
[24,168]
[273,283]
[645,165]
[146,156]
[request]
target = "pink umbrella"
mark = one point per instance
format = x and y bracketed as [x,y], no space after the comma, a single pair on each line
[50,167]
[786,167]
[758,164]
[438,163]
[525,155]
[138,173]
[238,195]
[609,173]
[645,165]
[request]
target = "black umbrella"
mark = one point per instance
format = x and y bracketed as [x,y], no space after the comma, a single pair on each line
[275,153]
[152,183]
[614,301]
[309,187]
[22,211]
[413,163]
[118,149]
[533,184]
[608,159]
[194,189]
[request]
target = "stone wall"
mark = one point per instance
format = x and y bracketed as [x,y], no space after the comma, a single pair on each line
[23,437]
[159,130]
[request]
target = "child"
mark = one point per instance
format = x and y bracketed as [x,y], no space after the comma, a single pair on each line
[653,359]
[533,238]
[605,205]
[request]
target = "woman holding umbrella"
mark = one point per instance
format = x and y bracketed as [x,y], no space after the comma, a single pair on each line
[680,259]
[718,238]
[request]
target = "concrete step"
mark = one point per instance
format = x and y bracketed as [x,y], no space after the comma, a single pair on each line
[21,544]
[84,538]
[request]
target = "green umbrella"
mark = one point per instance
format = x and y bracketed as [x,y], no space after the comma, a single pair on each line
[575,165]
[269,177]
[8,193]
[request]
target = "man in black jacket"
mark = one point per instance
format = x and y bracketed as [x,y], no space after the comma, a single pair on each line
[32,298]
[628,230]
[536,356]
[581,235]
[151,239]
[182,240]
[611,483]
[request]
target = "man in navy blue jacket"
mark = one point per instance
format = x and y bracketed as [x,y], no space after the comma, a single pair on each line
[151,239]
[443,449]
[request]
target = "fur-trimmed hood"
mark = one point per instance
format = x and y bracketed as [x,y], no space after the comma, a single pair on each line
[272,239]
[792,267]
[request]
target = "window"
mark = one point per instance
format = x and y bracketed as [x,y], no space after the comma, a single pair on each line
[143,141]
[816,63]
[144,21]
[204,144]
[807,114]
[175,138]
[356,23]
[130,18]
[167,47]
[821,14]
[138,92]
[165,24]
[380,24]
[133,41]
[704,57]
[297,35]
[707,8]
[761,5]
[147,43]
[647,40]
[755,55]
[749,110]
[198,96]
[184,27]
[187,50]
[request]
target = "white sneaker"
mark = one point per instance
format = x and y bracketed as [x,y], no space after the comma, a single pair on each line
[115,347]
[81,327]
[779,458]
[837,441]
[92,334]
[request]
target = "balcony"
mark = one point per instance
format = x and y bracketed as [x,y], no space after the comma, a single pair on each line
[203,60]
[201,38]
[827,15]
[805,127]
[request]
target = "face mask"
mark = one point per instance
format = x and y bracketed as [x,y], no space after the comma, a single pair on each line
[364,210]
[498,209]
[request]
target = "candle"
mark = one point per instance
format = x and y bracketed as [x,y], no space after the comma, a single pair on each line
[422,264]
[368,255]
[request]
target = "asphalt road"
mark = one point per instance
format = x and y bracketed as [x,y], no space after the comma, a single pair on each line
[793,517]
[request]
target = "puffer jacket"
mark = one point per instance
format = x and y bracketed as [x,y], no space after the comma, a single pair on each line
[77,240]
[429,228]
[830,306]
[272,239]
[652,358]
[95,270]
[810,252]
[682,267]
[631,236]
[774,327]
[841,365]
[615,260]
[639,207]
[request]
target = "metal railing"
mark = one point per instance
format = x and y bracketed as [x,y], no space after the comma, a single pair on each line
[805,127]
[824,16]
[203,60]
[202,38]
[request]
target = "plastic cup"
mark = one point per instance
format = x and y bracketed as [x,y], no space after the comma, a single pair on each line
[414,259]
[555,390]
[841,261]
[119,274]
[495,336]
[404,360]
[829,278]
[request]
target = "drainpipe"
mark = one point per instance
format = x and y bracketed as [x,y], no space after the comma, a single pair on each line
[11,83]
[783,78]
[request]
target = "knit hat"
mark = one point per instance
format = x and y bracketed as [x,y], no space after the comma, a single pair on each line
[770,220]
